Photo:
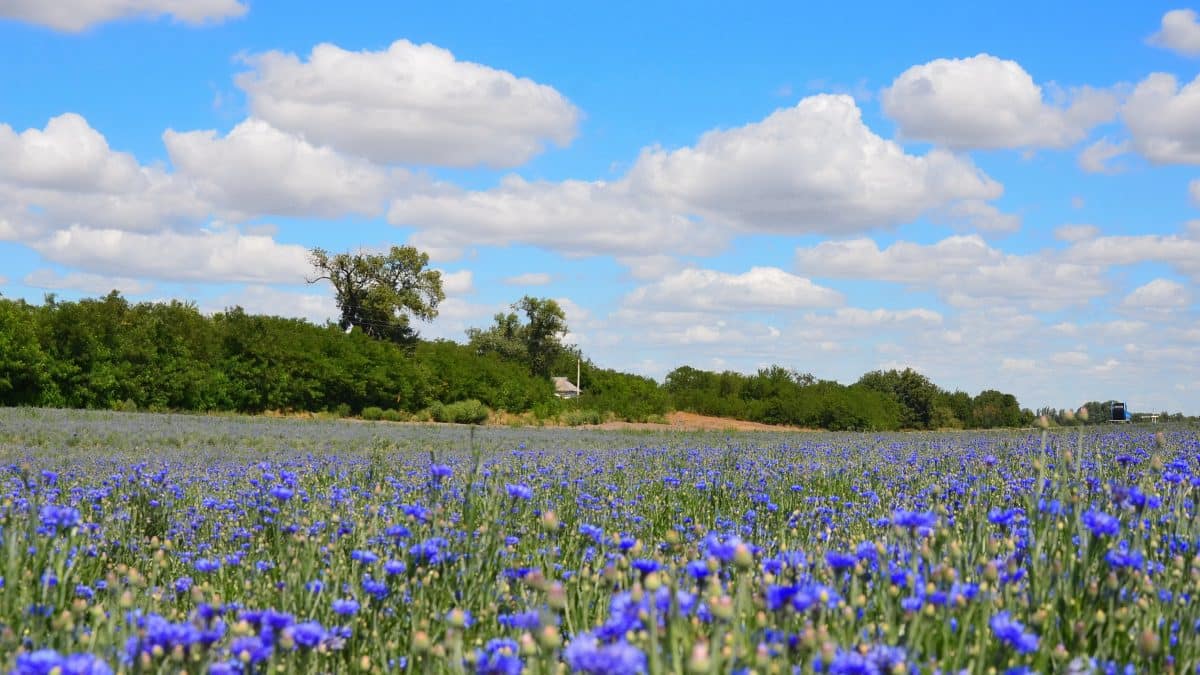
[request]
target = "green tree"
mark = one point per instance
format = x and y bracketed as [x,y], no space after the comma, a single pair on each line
[25,370]
[993,408]
[912,390]
[377,293]
[537,342]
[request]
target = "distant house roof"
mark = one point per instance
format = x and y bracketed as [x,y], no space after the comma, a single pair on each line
[562,385]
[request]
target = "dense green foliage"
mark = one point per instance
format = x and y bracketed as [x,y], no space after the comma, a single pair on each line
[878,401]
[110,353]
[537,342]
[377,293]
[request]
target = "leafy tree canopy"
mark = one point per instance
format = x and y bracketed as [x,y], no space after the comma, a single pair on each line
[377,292]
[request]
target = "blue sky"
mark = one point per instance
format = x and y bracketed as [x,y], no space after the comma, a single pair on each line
[999,197]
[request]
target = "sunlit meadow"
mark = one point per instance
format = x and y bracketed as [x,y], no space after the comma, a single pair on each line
[165,544]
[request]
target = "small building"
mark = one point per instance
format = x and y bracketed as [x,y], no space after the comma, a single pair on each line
[564,389]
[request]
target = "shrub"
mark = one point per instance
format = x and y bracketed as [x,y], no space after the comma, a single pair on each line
[372,413]
[574,418]
[393,416]
[469,411]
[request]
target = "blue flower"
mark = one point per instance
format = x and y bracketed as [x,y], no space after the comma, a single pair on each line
[1101,523]
[499,657]
[519,491]
[522,620]
[251,648]
[347,607]
[55,518]
[282,493]
[440,471]
[308,634]
[840,561]
[914,519]
[1012,632]
[585,654]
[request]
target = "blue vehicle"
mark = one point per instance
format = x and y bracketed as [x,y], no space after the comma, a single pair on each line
[1119,412]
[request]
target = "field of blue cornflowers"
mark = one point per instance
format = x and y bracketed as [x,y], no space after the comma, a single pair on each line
[164,544]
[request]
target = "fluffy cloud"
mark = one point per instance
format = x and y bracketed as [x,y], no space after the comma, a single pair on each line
[964,270]
[257,169]
[1096,157]
[1159,295]
[1076,232]
[410,104]
[1180,32]
[529,279]
[1164,119]
[903,261]
[258,299]
[813,168]
[574,217]
[986,102]
[1017,365]
[712,291]
[1194,191]
[858,318]
[79,15]
[461,282]
[88,283]
[67,174]
[1182,253]
[204,256]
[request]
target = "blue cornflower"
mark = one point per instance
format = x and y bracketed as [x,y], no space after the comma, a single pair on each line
[1012,632]
[308,634]
[914,519]
[251,649]
[840,561]
[440,471]
[499,657]
[698,569]
[1004,517]
[206,565]
[54,518]
[519,491]
[348,607]
[585,654]
[394,567]
[362,556]
[523,620]
[282,493]
[1101,523]
[646,565]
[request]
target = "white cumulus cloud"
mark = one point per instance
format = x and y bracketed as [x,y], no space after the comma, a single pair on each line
[987,102]
[964,270]
[258,169]
[812,168]
[203,256]
[529,279]
[408,104]
[1180,32]
[88,283]
[1164,119]
[712,291]
[1159,294]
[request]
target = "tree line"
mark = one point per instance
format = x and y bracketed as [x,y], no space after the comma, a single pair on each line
[110,353]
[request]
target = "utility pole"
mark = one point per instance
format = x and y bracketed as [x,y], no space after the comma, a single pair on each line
[578,382]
